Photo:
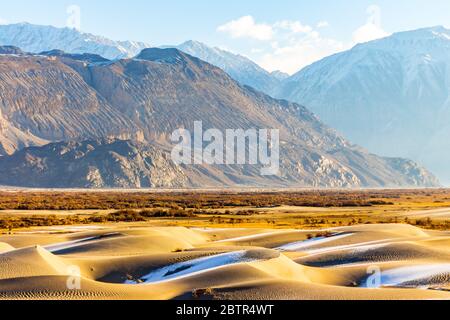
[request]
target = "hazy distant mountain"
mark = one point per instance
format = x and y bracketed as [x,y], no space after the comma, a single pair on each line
[390,95]
[92,105]
[238,67]
[37,38]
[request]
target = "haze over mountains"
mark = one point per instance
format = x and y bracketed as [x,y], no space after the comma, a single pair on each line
[86,107]
[391,96]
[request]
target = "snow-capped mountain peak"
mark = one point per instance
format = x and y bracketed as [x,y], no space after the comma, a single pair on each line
[37,38]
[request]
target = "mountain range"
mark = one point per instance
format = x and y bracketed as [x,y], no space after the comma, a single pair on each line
[80,120]
[36,38]
[391,95]
[237,66]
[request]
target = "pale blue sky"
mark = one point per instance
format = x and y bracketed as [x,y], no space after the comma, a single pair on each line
[282,34]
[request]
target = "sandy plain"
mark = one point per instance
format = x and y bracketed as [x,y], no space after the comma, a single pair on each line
[268,255]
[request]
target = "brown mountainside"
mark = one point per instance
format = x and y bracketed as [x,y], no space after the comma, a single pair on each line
[56,97]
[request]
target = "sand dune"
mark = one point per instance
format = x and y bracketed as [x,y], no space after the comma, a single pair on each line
[4,247]
[30,262]
[116,262]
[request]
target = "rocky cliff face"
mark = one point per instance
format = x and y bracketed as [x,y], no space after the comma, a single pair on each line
[43,99]
[59,97]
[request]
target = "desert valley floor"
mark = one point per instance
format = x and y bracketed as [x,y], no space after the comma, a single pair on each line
[195,257]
